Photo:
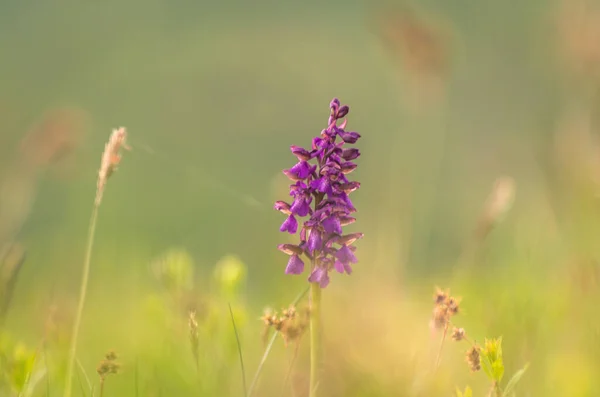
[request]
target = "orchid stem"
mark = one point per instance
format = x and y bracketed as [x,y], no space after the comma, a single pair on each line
[315,337]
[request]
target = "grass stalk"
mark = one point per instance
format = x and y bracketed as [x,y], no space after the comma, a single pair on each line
[82,295]
[438,358]
[262,363]
[290,370]
[315,337]
[239,347]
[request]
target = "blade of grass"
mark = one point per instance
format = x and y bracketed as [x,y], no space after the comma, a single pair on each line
[47,371]
[136,374]
[239,346]
[82,294]
[87,379]
[514,380]
[83,392]
[262,363]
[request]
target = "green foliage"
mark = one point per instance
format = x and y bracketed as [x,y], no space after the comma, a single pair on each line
[493,366]
[492,363]
[19,372]
[467,393]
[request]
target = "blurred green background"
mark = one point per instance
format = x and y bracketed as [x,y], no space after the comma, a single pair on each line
[212,95]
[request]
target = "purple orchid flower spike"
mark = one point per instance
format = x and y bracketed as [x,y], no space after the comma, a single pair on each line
[320,191]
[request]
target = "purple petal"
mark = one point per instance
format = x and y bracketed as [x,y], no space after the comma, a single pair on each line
[348,268]
[295,265]
[349,137]
[298,172]
[290,225]
[316,143]
[345,255]
[330,168]
[342,111]
[332,225]
[283,207]
[349,239]
[303,235]
[300,153]
[342,267]
[346,200]
[319,275]
[297,188]
[301,206]
[348,167]
[321,184]
[334,104]
[350,154]
[315,243]
[349,187]
[290,249]
[347,220]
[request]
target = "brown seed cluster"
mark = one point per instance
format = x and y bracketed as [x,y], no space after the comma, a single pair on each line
[458,334]
[108,365]
[446,306]
[291,323]
[473,358]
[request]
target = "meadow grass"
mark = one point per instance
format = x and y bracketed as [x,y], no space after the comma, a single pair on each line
[530,279]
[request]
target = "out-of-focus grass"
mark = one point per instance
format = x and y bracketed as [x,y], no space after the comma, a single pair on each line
[216,104]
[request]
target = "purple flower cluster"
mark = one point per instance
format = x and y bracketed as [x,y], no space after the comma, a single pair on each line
[320,192]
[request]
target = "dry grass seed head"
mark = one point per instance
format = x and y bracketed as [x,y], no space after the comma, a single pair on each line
[446,306]
[111,157]
[458,334]
[473,358]
[291,323]
[109,365]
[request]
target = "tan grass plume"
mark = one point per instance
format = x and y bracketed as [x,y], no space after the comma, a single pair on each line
[111,157]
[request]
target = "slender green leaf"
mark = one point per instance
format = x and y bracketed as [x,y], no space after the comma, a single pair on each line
[239,346]
[514,380]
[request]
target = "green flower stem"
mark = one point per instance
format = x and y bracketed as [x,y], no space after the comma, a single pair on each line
[315,337]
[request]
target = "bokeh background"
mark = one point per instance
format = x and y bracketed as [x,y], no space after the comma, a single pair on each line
[448,97]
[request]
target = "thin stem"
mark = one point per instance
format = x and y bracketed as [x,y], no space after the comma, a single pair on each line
[82,294]
[289,373]
[83,393]
[239,346]
[494,390]
[47,371]
[439,355]
[136,375]
[315,337]
[85,375]
[262,363]
[101,387]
